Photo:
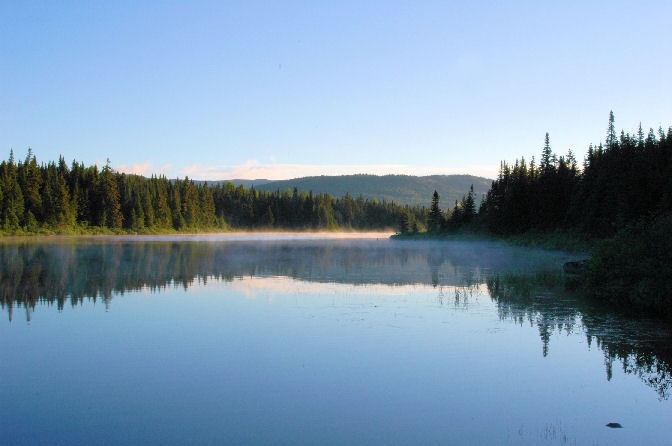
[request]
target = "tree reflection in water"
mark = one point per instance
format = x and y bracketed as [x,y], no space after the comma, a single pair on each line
[641,347]
[63,271]
[526,286]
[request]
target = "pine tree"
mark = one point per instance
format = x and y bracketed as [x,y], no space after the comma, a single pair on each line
[404,223]
[611,132]
[58,209]
[469,205]
[207,206]
[109,213]
[547,158]
[12,196]
[640,136]
[435,217]
[30,180]
[159,188]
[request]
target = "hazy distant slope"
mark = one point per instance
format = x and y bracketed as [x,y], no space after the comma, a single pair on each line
[402,189]
[247,183]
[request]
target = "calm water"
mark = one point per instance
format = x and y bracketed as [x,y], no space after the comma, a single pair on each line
[302,340]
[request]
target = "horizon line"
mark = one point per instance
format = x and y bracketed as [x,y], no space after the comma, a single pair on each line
[253,170]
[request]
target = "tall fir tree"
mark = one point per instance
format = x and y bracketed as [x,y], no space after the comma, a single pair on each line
[435,217]
[611,132]
[108,193]
[12,208]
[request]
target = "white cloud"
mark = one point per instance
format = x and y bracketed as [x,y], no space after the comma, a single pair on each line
[136,169]
[145,169]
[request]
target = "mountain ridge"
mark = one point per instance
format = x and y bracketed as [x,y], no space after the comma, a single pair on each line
[402,189]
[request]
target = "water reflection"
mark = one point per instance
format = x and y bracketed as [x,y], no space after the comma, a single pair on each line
[63,271]
[640,347]
[526,285]
[538,299]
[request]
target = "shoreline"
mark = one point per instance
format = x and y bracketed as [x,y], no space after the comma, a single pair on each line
[261,234]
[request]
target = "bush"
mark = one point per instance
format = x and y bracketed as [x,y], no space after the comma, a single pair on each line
[634,269]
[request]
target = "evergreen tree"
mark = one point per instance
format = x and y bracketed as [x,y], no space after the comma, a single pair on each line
[469,206]
[435,217]
[159,197]
[175,203]
[57,206]
[84,196]
[30,181]
[107,192]
[12,196]
[206,204]
[189,203]
[546,157]
[611,132]
[640,136]
[404,226]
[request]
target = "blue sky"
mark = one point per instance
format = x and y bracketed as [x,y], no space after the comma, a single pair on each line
[282,89]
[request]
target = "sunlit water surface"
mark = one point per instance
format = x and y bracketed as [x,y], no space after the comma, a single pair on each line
[225,340]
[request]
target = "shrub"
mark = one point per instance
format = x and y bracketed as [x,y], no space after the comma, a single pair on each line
[633,270]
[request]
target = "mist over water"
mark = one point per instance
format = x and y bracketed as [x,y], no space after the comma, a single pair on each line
[304,339]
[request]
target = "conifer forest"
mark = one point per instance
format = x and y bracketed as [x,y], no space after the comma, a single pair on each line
[57,197]
[619,198]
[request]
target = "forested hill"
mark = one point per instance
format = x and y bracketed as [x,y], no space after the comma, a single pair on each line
[55,197]
[402,189]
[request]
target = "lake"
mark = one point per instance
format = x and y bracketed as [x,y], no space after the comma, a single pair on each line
[313,339]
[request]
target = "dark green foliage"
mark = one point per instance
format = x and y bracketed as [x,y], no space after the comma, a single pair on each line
[622,196]
[107,204]
[402,189]
[54,197]
[57,205]
[435,217]
[628,179]
[623,183]
[12,205]
[30,182]
[404,225]
[463,214]
[528,197]
[633,270]
[611,131]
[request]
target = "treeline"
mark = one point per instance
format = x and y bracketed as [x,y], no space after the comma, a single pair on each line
[627,179]
[59,198]
[620,199]
[250,208]
[403,189]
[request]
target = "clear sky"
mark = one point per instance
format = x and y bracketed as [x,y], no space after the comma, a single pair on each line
[281,89]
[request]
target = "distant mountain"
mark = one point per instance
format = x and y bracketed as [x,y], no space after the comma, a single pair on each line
[247,183]
[402,189]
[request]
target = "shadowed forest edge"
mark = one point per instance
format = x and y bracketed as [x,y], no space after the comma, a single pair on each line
[618,203]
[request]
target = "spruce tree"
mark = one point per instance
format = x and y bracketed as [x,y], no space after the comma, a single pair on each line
[404,223]
[547,157]
[108,194]
[12,196]
[611,132]
[469,205]
[30,180]
[435,217]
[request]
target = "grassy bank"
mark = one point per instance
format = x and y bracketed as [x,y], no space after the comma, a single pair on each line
[100,230]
